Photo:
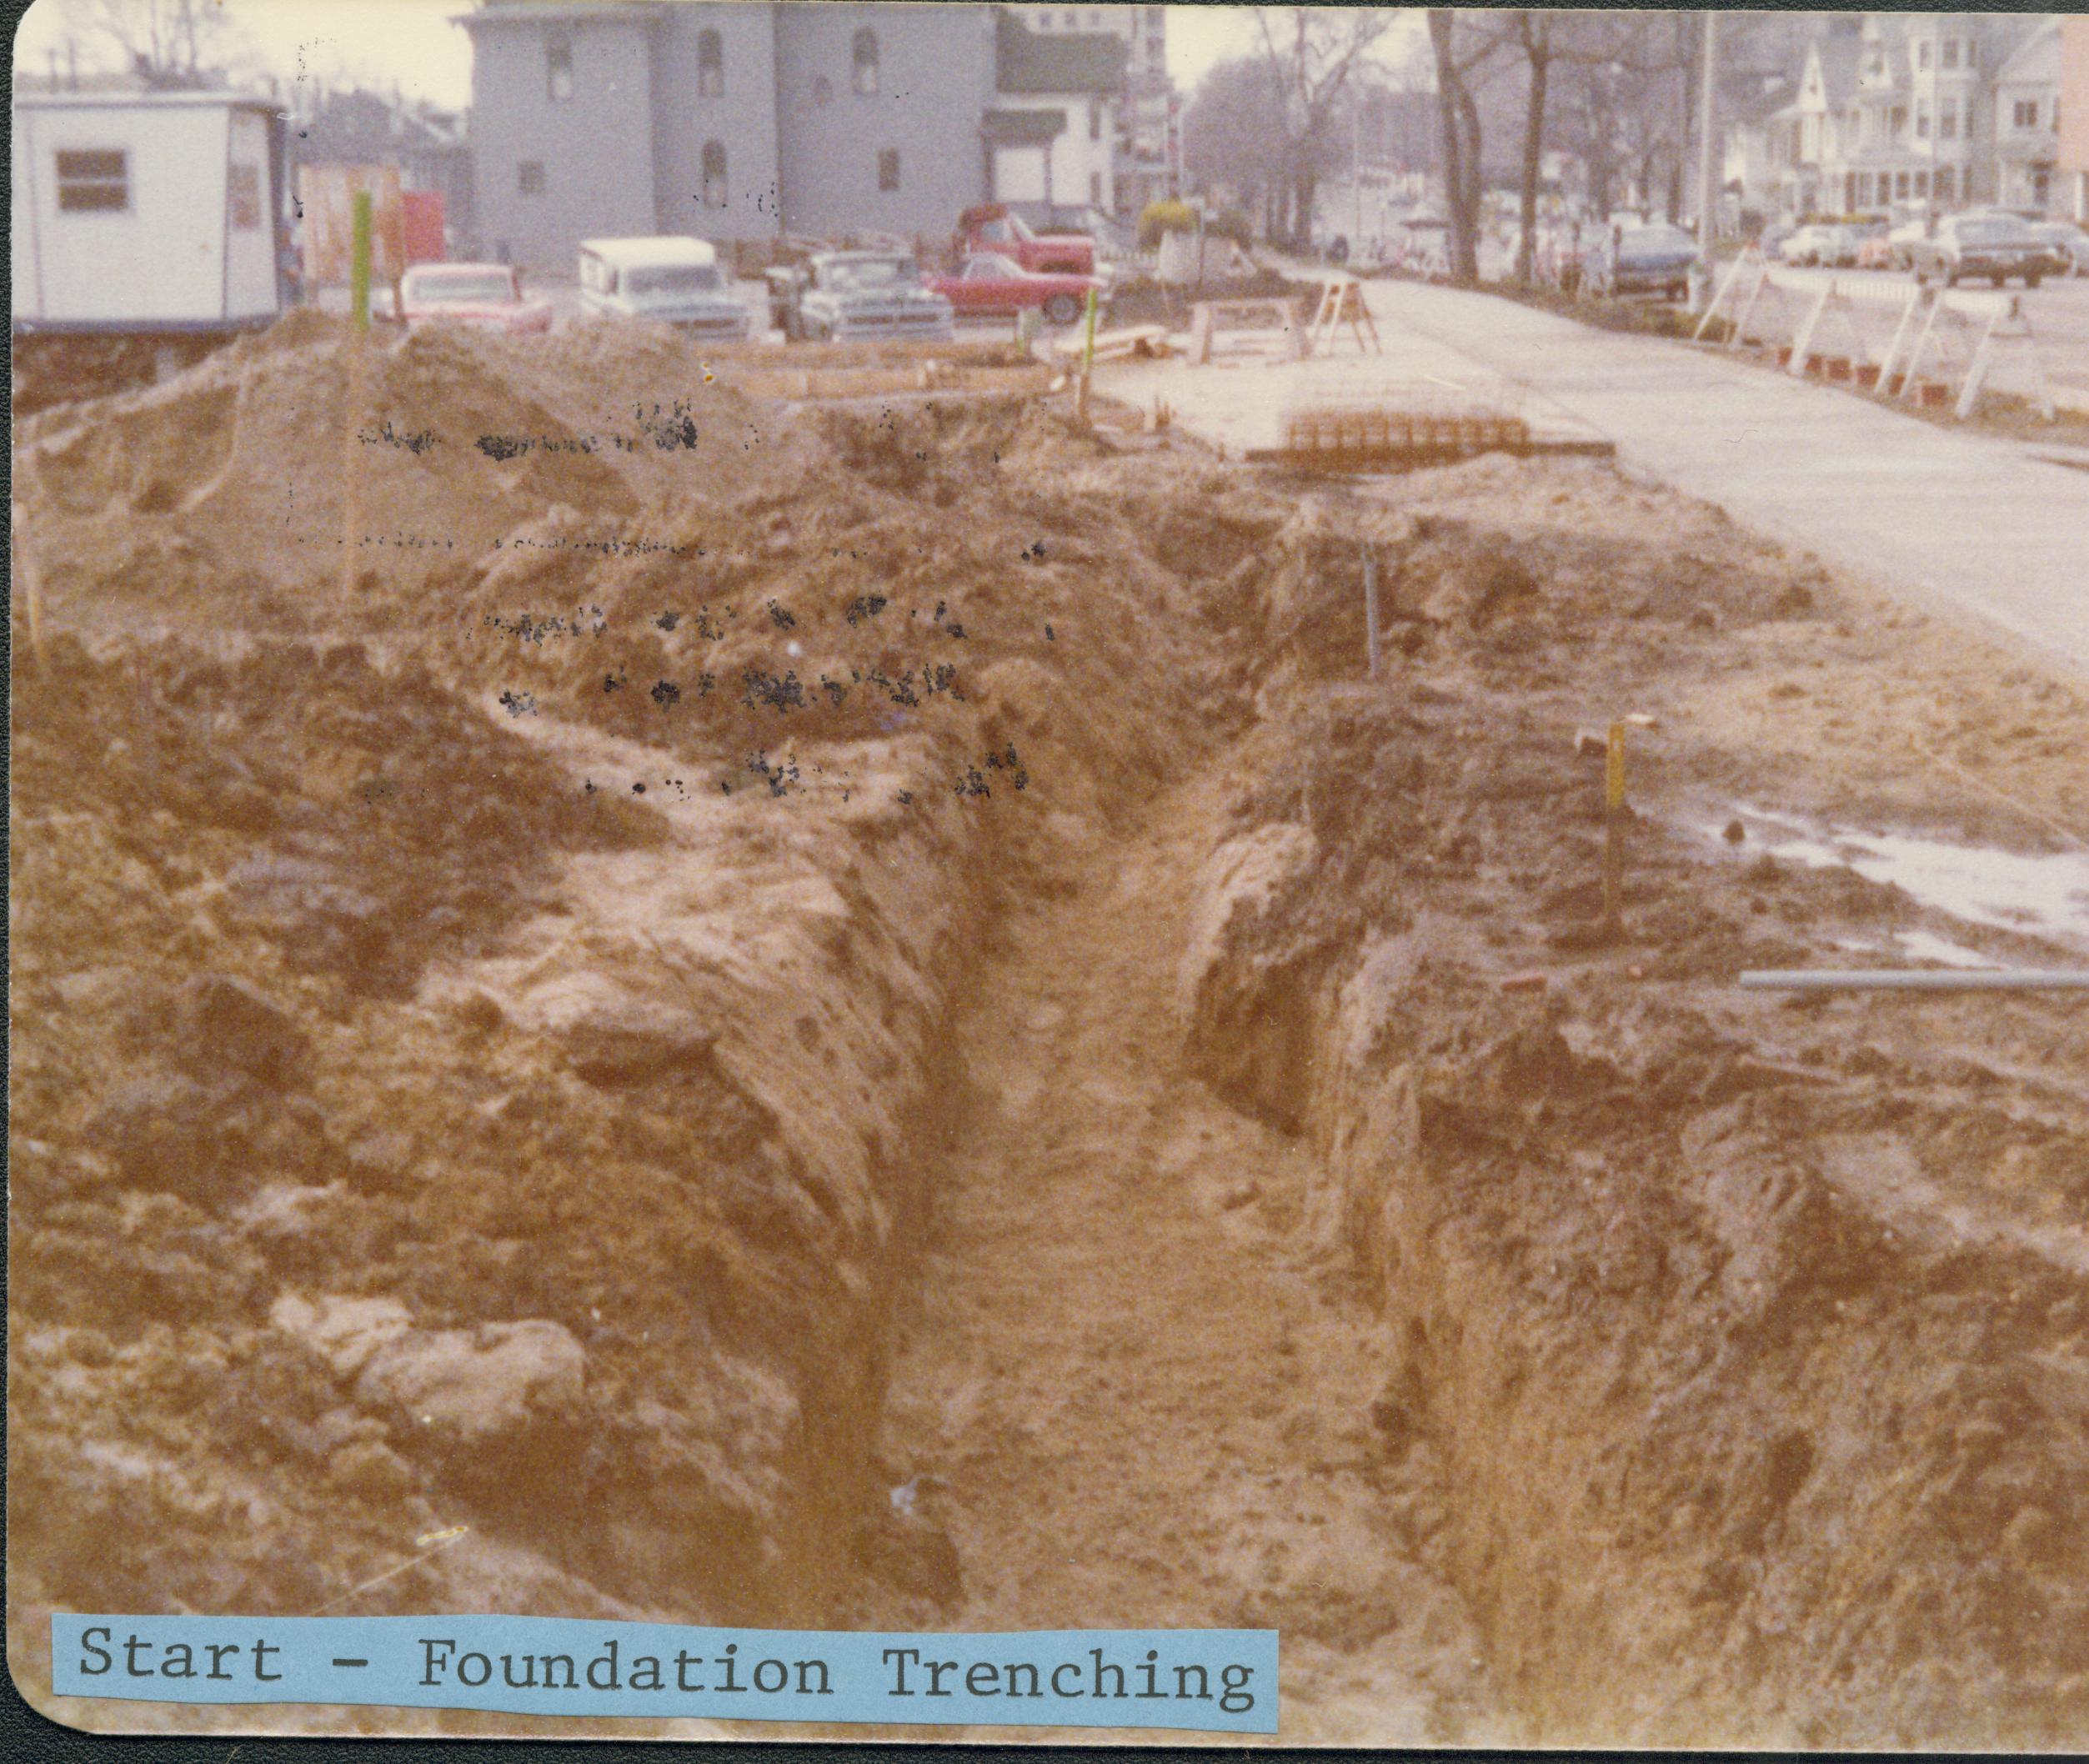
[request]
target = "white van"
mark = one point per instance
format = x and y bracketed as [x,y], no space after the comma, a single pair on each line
[674,280]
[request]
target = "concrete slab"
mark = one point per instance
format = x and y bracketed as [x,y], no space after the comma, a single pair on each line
[1239,401]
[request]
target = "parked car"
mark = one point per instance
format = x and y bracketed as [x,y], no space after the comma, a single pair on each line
[844,296]
[1113,238]
[1420,244]
[987,283]
[486,296]
[673,279]
[1829,246]
[1991,248]
[1905,235]
[1653,259]
[2070,244]
[1869,234]
[994,227]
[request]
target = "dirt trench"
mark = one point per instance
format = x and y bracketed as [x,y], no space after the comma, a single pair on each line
[1135,1382]
[1226,1178]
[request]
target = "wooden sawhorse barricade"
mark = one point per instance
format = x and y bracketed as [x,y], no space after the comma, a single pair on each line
[1265,317]
[2007,327]
[1341,302]
[1833,296]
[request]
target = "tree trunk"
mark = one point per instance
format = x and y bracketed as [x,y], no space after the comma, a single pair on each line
[1465,269]
[1690,28]
[1450,88]
[1537,51]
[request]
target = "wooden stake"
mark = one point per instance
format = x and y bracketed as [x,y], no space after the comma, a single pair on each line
[1088,359]
[359,263]
[1613,830]
[31,585]
[352,465]
[357,394]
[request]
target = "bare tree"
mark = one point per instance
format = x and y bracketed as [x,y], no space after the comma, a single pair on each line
[168,44]
[1464,42]
[1311,53]
[1622,103]
[1231,135]
[1533,37]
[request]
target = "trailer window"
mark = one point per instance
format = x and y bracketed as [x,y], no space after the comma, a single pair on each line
[89,180]
[242,196]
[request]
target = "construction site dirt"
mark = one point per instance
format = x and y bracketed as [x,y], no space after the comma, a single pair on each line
[867,1018]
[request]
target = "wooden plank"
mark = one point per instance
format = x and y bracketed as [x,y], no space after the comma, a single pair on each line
[1922,350]
[1976,375]
[2042,396]
[1738,334]
[1124,339]
[1899,336]
[1726,287]
[1802,344]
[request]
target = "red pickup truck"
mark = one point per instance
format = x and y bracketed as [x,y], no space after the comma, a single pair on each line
[994,227]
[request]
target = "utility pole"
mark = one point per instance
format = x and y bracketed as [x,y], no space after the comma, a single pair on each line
[1356,172]
[1707,173]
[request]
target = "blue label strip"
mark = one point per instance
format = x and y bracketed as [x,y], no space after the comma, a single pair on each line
[1222,1680]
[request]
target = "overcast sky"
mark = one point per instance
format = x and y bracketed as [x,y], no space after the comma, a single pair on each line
[413,44]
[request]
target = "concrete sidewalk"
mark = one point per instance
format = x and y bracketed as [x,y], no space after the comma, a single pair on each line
[1969,523]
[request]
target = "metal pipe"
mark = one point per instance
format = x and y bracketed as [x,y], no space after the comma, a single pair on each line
[1370,614]
[1914,979]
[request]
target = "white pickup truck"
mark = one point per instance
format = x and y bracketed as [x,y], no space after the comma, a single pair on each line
[672,279]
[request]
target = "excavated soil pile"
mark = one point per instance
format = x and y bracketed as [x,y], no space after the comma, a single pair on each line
[632,1002]
[1751,1334]
[479,1023]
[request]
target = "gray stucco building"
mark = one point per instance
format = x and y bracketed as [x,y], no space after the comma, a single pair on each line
[729,119]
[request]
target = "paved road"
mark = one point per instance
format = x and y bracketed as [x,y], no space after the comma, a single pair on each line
[1962,521]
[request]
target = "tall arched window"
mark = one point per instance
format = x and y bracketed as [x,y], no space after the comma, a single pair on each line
[714,174]
[865,78]
[710,65]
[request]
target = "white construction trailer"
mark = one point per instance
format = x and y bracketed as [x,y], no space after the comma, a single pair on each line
[143,221]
